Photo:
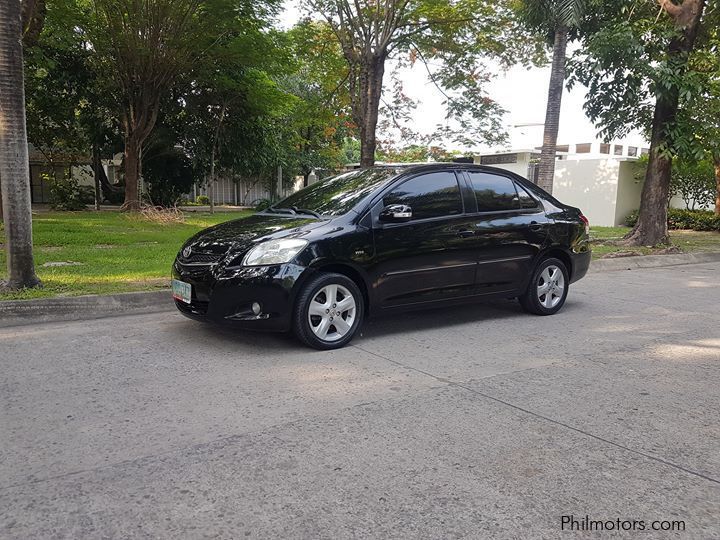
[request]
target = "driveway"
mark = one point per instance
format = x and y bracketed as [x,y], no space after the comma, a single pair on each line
[478,422]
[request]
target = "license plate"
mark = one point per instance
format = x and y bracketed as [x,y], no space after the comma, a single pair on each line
[181,291]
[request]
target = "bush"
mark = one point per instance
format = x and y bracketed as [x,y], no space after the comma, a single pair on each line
[261,204]
[65,193]
[202,200]
[696,220]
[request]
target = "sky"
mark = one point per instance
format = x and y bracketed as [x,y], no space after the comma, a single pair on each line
[520,91]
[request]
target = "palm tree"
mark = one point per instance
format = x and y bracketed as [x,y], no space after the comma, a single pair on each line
[14,163]
[556,18]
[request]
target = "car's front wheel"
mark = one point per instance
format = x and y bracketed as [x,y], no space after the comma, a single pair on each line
[328,312]
[548,288]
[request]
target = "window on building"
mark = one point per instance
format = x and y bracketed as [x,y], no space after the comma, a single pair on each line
[494,192]
[583,148]
[562,148]
[632,151]
[644,151]
[429,195]
[604,148]
[618,150]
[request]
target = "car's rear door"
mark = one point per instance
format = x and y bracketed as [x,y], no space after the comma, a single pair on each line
[510,228]
[431,256]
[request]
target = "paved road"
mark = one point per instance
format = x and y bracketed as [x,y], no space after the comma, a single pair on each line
[481,422]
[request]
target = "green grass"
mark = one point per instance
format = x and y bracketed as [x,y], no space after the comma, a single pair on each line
[117,252]
[604,239]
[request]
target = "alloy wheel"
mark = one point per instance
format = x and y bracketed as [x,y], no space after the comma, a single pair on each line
[551,287]
[332,312]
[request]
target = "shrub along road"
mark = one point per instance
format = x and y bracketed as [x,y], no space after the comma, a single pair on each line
[477,422]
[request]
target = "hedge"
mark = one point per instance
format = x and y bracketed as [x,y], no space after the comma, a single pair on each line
[697,220]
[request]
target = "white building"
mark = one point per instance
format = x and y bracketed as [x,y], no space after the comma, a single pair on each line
[602,179]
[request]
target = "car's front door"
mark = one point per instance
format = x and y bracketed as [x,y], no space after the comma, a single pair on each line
[510,229]
[430,257]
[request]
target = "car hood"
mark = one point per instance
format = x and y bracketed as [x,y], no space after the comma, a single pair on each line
[240,234]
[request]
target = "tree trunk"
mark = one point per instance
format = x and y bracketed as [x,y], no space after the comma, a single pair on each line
[14,162]
[651,227]
[546,169]
[133,149]
[716,160]
[97,164]
[371,79]
[211,182]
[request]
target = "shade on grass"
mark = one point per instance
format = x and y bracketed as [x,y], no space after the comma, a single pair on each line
[117,252]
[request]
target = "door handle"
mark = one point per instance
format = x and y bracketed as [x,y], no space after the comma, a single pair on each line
[535,226]
[465,234]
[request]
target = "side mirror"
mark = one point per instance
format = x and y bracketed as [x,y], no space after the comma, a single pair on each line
[396,213]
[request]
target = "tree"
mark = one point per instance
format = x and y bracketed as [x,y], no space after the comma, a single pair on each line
[145,46]
[321,115]
[693,182]
[14,163]
[456,35]
[555,19]
[634,61]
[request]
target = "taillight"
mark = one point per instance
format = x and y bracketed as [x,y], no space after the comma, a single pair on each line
[586,222]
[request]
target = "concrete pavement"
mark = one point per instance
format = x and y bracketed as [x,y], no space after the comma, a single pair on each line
[479,422]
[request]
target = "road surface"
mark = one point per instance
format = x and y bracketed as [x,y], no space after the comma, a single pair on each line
[477,422]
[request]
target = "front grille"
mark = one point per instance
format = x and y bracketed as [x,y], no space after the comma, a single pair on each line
[201,258]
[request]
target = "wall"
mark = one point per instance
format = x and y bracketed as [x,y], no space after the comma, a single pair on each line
[591,185]
[629,191]
[520,167]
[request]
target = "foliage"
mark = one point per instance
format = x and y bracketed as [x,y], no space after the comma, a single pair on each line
[261,204]
[694,183]
[65,193]
[450,40]
[625,63]
[69,111]
[697,220]
[417,153]
[168,176]
[203,200]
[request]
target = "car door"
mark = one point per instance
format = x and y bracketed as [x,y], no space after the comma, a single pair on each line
[510,228]
[429,257]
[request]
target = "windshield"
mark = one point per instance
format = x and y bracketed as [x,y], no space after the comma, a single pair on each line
[338,194]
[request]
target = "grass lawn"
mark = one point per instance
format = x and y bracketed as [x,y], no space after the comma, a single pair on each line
[117,252]
[689,241]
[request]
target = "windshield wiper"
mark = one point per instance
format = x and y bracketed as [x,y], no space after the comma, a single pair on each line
[305,211]
[281,210]
[295,210]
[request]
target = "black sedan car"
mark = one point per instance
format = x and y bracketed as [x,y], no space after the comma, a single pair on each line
[379,240]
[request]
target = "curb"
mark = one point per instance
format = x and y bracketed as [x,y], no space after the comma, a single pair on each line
[652,261]
[73,308]
[96,306]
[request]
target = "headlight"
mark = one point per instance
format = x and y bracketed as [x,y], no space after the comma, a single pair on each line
[274,252]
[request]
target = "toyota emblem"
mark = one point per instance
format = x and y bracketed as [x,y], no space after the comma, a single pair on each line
[187,252]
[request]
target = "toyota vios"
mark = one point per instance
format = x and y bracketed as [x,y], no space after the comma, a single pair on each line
[379,240]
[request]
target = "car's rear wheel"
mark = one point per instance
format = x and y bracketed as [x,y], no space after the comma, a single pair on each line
[548,288]
[328,312]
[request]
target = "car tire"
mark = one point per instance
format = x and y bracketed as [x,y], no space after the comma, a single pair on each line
[317,312]
[548,288]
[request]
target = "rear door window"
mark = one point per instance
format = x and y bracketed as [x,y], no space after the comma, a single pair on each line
[494,192]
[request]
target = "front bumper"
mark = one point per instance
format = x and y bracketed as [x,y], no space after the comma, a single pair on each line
[227,296]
